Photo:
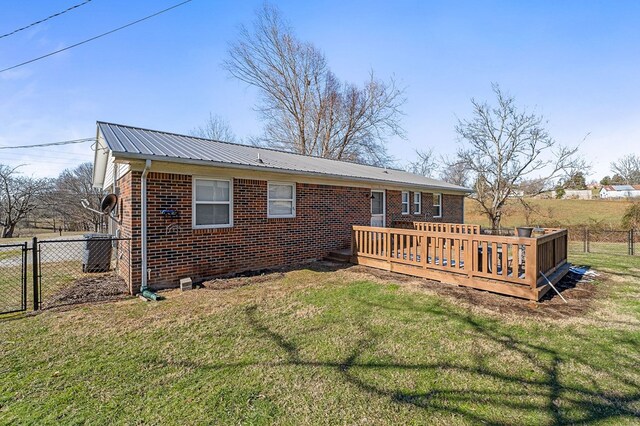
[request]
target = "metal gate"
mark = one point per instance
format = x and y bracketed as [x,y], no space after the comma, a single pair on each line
[78,270]
[13,278]
[52,273]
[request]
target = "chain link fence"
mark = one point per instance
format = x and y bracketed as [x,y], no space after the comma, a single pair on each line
[604,241]
[13,279]
[92,269]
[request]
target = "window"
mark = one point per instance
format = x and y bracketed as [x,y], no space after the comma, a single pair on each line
[212,206]
[417,203]
[437,205]
[405,202]
[281,200]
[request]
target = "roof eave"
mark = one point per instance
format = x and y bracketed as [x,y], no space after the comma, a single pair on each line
[100,158]
[136,156]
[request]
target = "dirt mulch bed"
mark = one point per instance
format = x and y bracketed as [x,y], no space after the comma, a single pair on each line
[580,295]
[242,279]
[89,290]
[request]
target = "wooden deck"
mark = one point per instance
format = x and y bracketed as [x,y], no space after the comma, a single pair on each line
[460,254]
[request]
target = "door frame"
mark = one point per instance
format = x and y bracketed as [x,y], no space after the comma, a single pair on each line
[384,206]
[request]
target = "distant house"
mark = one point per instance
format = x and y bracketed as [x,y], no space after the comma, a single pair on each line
[577,194]
[620,191]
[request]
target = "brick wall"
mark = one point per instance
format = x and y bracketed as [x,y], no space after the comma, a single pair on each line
[452,208]
[129,215]
[324,216]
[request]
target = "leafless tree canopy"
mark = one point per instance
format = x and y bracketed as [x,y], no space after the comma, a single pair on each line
[306,109]
[19,196]
[628,168]
[426,163]
[503,146]
[69,188]
[454,171]
[216,128]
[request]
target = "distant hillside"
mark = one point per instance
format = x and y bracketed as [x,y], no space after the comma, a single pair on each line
[552,212]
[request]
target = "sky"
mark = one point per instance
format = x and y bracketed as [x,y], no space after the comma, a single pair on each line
[577,63]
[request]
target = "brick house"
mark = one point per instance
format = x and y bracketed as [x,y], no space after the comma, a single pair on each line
[214,208]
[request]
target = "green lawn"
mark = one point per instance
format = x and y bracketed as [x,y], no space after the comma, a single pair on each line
[327,347]
[10,252]
[54,277]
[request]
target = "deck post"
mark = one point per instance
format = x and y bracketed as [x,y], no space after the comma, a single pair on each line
[353,244]
[468,256]
[387,245]
[531,267]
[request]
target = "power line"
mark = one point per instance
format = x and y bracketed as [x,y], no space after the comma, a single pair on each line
[45,19]
[45,157]
[95,38]
[50,144]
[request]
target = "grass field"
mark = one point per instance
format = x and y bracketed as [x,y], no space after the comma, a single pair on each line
[323,346]
[40,234]
[556,212]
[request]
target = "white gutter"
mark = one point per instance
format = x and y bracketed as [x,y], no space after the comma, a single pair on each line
[143,219]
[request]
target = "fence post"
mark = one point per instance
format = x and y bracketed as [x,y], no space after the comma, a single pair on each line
[587,239]
[36,287]
[584,239]
[631,242]
[25,267]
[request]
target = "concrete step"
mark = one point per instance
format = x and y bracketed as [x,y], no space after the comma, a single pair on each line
[339,256]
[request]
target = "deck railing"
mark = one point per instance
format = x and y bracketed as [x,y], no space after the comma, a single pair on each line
[505,264]
[455,228]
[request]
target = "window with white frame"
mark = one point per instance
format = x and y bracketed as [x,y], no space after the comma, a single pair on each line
[281,199]
[417,202]
[212,203]
[437,205]
[405,202]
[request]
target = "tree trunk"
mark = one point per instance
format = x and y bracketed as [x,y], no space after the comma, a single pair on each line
[7,231]
[495,221]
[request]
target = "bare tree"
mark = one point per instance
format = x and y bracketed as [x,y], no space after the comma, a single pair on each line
[449,170]
[628,169]
[72,186]
[306,109]
[502,146]
[216,128]
[19,196]
[454,171]
[425,164]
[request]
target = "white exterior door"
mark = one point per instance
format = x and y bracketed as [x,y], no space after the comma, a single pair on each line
[378,208]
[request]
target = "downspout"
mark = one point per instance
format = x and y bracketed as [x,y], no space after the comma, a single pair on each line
[144,287]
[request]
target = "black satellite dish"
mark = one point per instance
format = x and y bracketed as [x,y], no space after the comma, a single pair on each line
[108,203]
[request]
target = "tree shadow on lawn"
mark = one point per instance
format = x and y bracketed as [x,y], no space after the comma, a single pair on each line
[550,394]
[598,405]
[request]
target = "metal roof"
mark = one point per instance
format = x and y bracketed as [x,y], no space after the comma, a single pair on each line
[622,187]
[136,143]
